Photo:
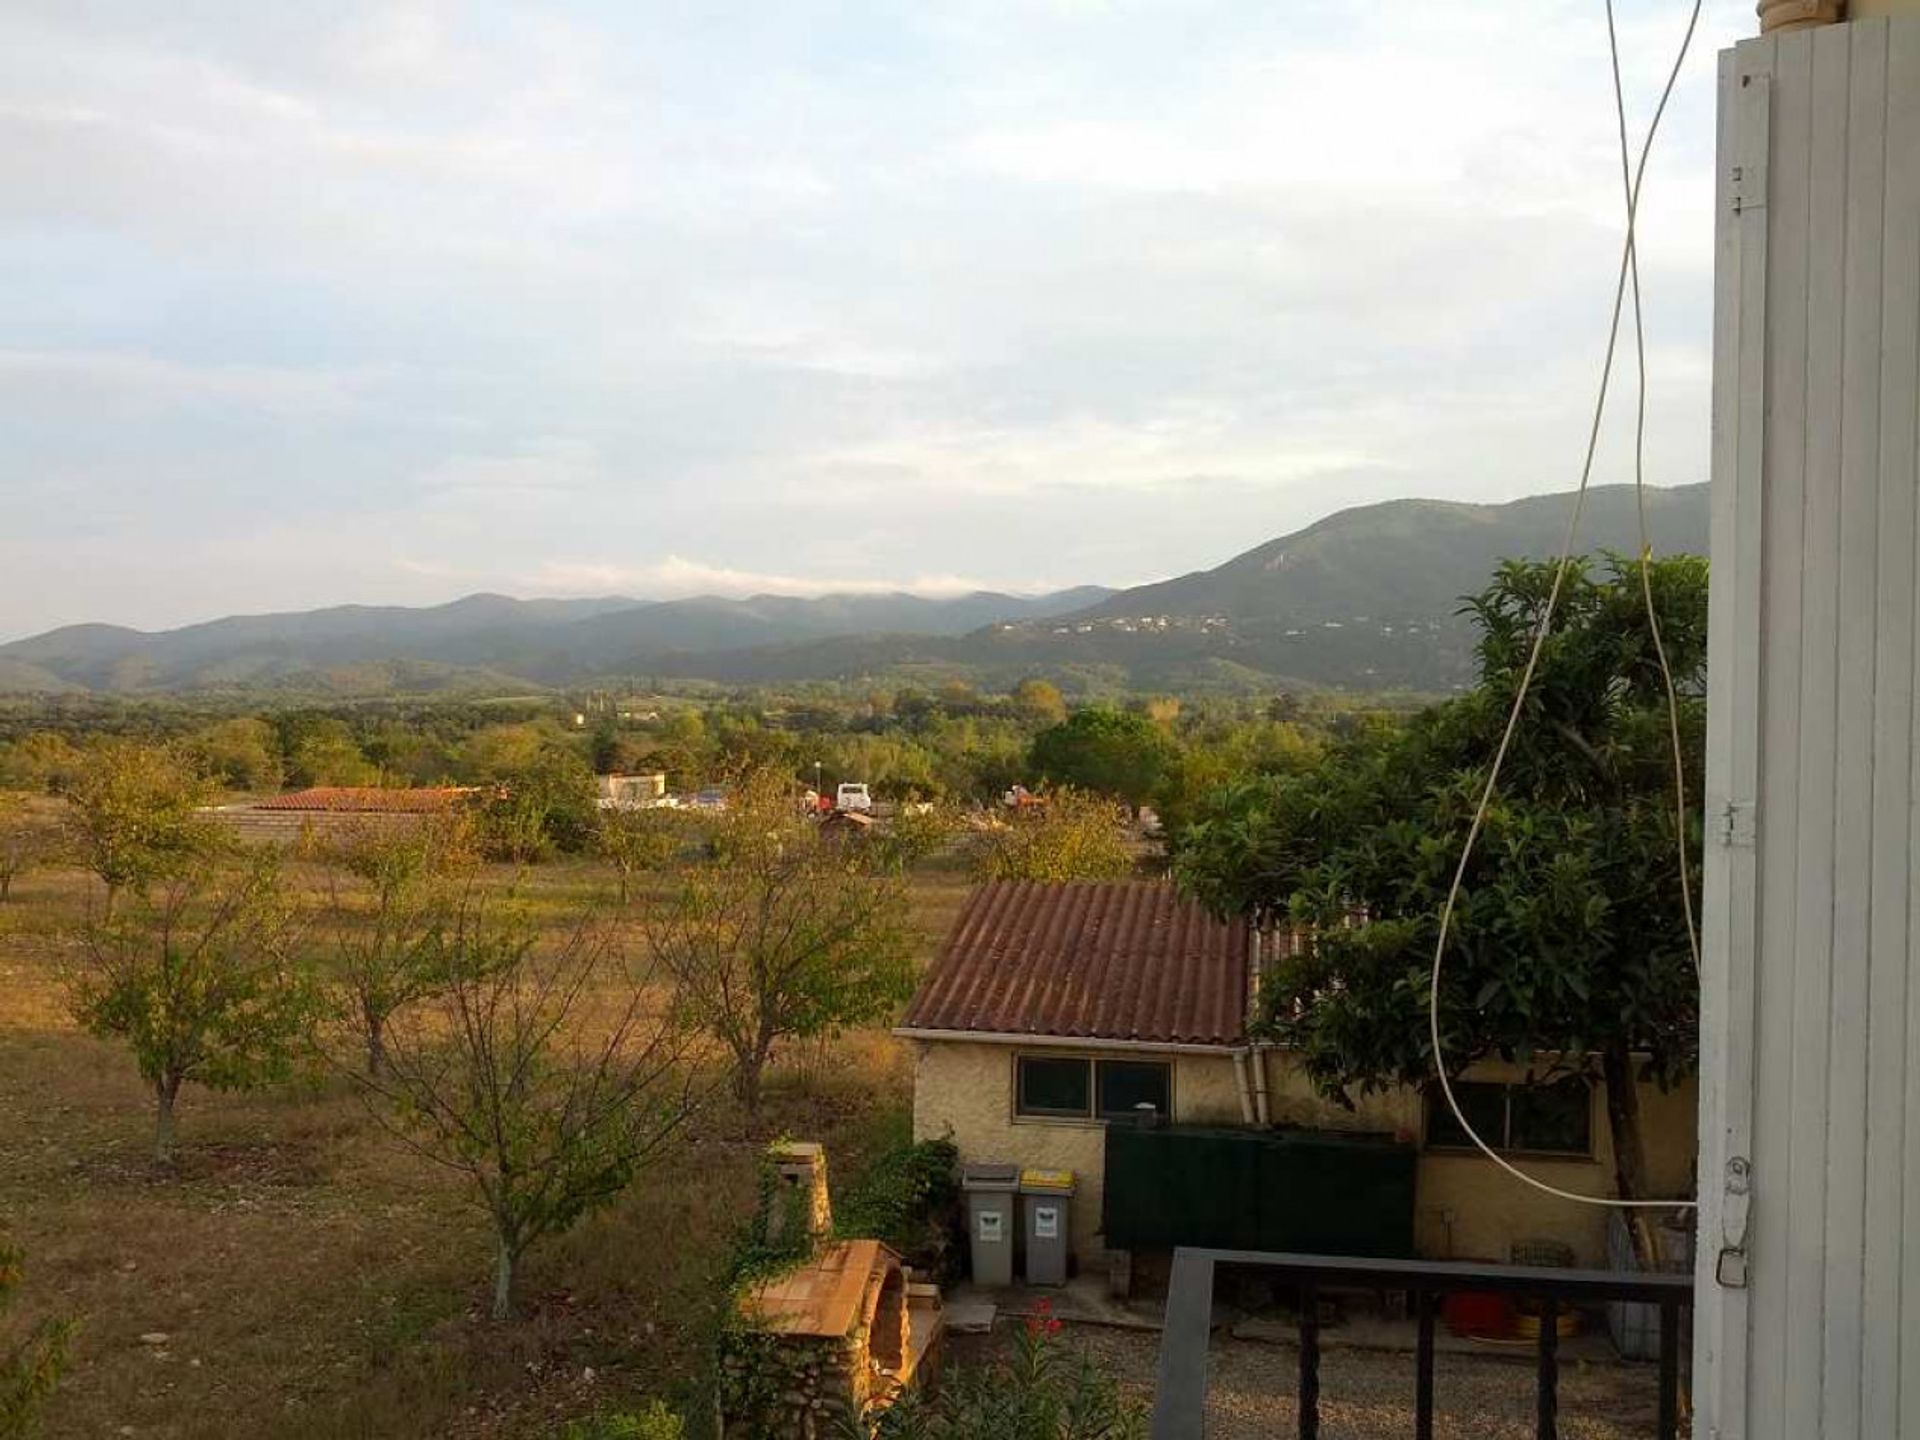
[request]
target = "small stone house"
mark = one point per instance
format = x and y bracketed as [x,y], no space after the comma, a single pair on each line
[1053,1011]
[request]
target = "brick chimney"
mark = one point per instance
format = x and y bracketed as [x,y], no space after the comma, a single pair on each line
[799,1165]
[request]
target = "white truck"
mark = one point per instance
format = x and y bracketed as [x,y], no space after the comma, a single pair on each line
[853,797]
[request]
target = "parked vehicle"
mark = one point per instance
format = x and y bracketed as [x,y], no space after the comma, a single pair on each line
[853,797]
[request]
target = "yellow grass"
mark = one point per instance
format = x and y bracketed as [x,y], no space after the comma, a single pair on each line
[311,1278]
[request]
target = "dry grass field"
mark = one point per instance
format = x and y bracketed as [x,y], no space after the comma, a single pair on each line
[304,1275]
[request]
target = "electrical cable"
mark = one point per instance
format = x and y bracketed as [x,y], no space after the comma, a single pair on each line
[1646,534]
[1628,268]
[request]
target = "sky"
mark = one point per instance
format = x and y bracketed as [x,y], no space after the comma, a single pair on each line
[391,302]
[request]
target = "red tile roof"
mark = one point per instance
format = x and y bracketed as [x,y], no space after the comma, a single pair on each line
[367,800]
[1130,961]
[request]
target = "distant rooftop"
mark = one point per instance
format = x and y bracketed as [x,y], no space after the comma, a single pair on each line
[368,800]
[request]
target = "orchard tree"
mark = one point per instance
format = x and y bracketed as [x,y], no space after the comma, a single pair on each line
[548,1076]
[1568,949]
[195,977]
[27,840]
[779,936]
[135,815]
[634,841]
[388,895]
[1071,836]
[1110,752]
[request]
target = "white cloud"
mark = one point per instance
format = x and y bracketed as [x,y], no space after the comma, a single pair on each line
[676,577]
[395,295]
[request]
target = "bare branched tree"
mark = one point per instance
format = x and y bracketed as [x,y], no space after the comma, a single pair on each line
[389,894]
[547,1077]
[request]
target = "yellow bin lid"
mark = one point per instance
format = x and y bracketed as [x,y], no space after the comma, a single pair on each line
[1061,1180]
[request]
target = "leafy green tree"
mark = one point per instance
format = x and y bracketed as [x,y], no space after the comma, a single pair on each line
[549,1076]
[388,895]
[1039,702]
[1073,836]
[31,1363]
[1568,949]
[43,761]
[328,754]
[1110,752]
[238,754]
[195,977]
[27,840]
[546,802]
[780,937]
[135,815]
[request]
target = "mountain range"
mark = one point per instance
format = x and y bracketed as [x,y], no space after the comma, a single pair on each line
[1367,598]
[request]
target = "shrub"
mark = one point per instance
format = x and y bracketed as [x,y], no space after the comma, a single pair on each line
[909,1197]
[1044,1390]
[655,1422]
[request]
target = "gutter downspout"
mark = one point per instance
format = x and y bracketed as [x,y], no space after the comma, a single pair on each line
[1240,1058]
[1256,1052]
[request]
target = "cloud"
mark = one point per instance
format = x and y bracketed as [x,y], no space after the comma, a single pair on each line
[361,301]
[674,578]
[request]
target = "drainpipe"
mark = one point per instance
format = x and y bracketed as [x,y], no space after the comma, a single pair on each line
[1240,1058]
[1260,1086]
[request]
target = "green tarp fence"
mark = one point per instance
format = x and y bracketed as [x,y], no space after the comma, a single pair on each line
[1311,1191]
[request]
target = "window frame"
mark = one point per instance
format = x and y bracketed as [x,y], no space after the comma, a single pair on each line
[1093,1064]
[1504,1144]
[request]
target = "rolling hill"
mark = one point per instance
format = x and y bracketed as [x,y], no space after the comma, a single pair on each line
[1365,599]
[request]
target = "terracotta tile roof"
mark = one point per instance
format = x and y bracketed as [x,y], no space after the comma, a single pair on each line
[366,799]
[1129,961]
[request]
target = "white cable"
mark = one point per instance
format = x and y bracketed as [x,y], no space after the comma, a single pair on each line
[1646,536]
[1541,632]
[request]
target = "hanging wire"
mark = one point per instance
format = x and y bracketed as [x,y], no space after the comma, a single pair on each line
[1629,268]
[1646,534]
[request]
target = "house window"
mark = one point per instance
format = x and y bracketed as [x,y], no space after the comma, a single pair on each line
[1546,1119]
[1050,1085]
[1125,1085]
[1076,1088]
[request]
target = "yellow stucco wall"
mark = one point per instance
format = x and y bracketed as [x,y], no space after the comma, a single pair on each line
[1465,1207]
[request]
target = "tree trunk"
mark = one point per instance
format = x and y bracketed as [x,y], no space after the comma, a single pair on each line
[165,1093]
[503,1282]
[1629,1152]
[746,1082]
[376,1044]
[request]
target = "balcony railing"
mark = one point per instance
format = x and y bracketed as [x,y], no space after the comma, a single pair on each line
[1179,1411]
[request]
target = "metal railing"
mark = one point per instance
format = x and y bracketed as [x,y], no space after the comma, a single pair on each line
[1179,1411]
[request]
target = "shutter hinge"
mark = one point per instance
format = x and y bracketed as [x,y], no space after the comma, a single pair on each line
[1737,824]
[1736,1206]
